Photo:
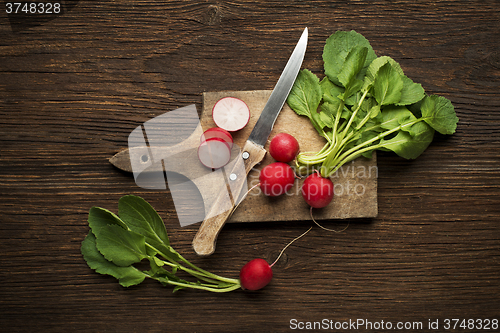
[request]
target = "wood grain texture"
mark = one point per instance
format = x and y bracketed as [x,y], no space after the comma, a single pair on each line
[73,87]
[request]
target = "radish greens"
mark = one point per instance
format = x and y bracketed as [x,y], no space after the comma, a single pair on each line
[116,243]
[365,103]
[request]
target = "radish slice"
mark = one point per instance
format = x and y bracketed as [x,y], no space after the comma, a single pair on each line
[231,114]
[214,153]
[216,132]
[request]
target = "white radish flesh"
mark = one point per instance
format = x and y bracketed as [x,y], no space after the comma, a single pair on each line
[231,114]
[214,153]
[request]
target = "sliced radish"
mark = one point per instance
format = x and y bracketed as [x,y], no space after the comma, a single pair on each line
[231,114]
[214,153]
[216,132]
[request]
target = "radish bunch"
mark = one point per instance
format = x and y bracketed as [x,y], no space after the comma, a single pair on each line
[278,177]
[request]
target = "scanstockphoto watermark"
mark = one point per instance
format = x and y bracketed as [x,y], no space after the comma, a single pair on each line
[356,324]
[348,180]
[469,324]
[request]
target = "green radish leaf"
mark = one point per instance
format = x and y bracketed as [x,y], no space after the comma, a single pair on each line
[410,146]
[373,68]
[353,64]
[352,88]
[121,246]
[326,119]
[159,273]
[318,121]
[387,85]
[393,116]
[369,134]
[415,108]
[375,111]
[331,92]
[306,94]
[330,108]
[323,119]
[411,93]
[305,97]
[143,219]
[370,130]
[369,108]
[337,48]
[367,154]
[158,262]
[438,112]
[368,103]
[177,288]
[140,217]
[126,276]
[100,217]
[346,114]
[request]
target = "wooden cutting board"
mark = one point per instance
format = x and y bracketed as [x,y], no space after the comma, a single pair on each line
[355,183]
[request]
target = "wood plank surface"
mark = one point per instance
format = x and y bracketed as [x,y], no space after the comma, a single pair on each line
[74,85]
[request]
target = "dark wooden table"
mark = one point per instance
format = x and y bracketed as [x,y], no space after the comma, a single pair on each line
[74,84]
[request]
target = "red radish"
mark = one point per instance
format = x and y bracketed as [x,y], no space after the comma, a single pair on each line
[317,191]
[214,153]
[256,274]
[231,114]
[216,132]
[284,147]
[276,178]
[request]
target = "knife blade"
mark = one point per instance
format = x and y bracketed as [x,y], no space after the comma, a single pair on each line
[253,151]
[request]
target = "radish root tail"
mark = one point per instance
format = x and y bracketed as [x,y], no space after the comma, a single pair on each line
[297,238]
[319,225]
[282,251]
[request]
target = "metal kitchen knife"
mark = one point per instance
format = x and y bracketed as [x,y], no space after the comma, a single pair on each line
[253,151]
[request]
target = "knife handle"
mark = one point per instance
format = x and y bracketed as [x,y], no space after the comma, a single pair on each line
[206,237]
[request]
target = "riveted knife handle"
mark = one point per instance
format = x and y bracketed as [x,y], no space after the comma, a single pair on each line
[206,237]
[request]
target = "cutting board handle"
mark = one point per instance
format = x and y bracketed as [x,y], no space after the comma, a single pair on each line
[206,237]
